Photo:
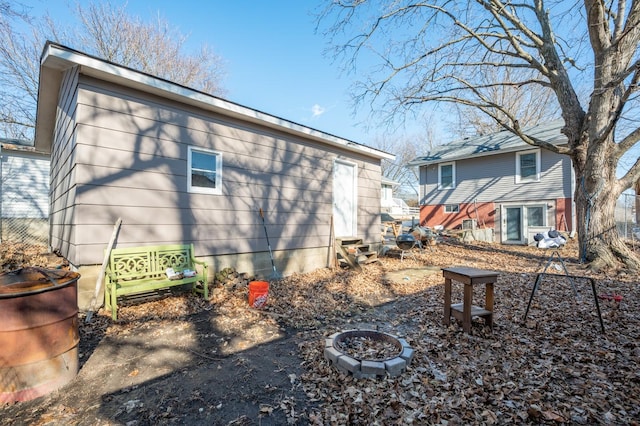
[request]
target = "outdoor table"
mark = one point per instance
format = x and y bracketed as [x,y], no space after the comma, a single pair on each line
[466,310]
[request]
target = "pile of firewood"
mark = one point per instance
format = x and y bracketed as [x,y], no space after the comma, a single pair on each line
[231,279]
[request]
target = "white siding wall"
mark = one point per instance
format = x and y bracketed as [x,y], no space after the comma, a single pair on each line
[25,185]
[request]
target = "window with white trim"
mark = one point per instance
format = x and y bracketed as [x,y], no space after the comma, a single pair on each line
[446,176]
[528,166]
[451,208]
[536,215]
[204,174]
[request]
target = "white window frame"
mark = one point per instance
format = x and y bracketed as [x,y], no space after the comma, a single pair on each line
[200,189]
[457,208]
[535,178]
[453,175]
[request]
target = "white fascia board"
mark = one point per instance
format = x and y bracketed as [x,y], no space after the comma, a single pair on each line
[147,83]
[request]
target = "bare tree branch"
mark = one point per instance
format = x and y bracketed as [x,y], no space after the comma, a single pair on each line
[106,31]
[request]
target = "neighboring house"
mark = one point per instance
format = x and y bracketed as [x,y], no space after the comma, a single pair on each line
[394,206]
[24,192]
[386,200]
[498,182]
[182,166]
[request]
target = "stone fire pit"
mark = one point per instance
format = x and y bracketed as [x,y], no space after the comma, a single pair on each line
[368,354]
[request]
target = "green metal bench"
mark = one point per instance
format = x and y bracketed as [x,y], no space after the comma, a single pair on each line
[143,269]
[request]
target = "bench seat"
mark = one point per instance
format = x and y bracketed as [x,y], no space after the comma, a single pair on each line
[138,270]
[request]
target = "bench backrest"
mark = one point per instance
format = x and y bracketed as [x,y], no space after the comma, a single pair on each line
[150,261]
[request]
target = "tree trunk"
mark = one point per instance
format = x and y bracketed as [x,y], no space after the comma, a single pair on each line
[596,196]
[637,202]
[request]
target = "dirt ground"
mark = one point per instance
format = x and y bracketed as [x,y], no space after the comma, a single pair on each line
[182,360]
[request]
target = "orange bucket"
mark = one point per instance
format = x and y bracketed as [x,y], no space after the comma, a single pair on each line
[258,293]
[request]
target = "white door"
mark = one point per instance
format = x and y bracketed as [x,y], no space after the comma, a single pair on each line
[516,221]
[344,199]
[512,225]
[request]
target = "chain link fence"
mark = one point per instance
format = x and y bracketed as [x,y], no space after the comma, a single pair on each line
[627,217]
[24,230]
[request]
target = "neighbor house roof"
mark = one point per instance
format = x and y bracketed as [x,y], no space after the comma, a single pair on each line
[56,59]
[495,143]
[19,145]
[387,181]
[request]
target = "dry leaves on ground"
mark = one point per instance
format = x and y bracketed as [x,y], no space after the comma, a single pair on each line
[554,368]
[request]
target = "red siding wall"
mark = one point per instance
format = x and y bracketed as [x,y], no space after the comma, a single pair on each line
[563,207]
[432,215]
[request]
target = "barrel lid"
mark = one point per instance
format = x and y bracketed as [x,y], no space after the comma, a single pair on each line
[34,279]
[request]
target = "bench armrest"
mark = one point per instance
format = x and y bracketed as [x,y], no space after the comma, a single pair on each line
[199,262]
[204,268]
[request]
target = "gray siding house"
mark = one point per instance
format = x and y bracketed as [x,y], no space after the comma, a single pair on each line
[24,192]
[500,183]
[181,166]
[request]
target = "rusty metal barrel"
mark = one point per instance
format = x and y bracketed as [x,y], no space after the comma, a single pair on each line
[38,332]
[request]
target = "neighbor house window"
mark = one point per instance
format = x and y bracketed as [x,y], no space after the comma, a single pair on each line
[205,171]
[446,176]
[451,208]
[528,166]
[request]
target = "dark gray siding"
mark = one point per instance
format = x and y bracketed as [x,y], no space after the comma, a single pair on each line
[492,178]
[130,161]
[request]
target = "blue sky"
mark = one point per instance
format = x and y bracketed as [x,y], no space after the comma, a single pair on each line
[273,58]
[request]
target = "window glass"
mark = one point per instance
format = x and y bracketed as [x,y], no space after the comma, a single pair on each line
[451,208]
[203,170]
[528,166]
[446,176]
[535,216]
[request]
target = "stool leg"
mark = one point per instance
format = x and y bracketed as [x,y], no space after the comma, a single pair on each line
[447,301]
[466,309]
[488,304]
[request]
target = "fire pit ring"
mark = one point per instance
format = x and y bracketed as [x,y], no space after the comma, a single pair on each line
[360,366]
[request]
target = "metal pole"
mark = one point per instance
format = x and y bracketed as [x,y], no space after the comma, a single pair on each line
[625,215]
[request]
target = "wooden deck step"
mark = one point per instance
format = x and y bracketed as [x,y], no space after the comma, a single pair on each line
[351,251]
[367,257]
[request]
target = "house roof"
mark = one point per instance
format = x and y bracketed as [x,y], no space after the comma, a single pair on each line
[56,59]
[387,181]
[496,143]
[19,145]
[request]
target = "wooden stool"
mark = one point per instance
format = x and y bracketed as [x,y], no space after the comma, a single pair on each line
[465,311]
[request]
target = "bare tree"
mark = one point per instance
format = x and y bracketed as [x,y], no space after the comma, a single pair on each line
[405,148]
[19,62]
[531,104]
[155,47]
[434,52]
[103,30]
